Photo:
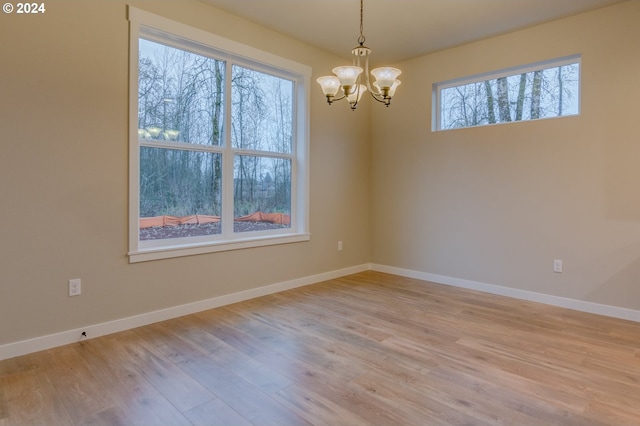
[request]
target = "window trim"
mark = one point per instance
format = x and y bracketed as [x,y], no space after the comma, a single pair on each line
[436,113]
[146,23]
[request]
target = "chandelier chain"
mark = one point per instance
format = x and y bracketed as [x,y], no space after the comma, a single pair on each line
[361,39]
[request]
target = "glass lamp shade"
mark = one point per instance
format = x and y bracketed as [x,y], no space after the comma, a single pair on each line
[347,75]
[385,76]
[356,94]
[171,135]
[154,131]
[392,89]
[330,85]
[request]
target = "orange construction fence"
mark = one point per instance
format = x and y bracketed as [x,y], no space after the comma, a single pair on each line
[156,221]
[279,218]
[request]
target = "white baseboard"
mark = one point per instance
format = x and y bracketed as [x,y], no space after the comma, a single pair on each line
[24,347]
[578,305]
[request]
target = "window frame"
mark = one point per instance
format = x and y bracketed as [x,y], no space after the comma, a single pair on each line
[436,118]
[143,24]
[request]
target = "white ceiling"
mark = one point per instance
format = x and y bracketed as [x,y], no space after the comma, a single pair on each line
[397,30]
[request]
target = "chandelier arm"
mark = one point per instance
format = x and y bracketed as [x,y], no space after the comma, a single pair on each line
[357,92]
[377,97]
[338,99]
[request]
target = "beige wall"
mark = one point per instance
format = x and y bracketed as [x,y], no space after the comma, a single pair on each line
[494,205]
[497,204]
[63,175]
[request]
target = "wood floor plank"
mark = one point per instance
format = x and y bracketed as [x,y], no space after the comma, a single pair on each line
[324,383]
[366,349]
[216,413]
[117,375]
[235,360]
[628,415]
[112,416]
[22,363]
[31,400]
[317,409]
[4,410]
[182,390]
[241,396]
[414,406]
[78,390]
[252,404]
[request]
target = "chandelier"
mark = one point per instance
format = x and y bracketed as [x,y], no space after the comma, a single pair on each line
[353,80]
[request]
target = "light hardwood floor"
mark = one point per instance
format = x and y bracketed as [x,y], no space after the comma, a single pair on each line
[367,349]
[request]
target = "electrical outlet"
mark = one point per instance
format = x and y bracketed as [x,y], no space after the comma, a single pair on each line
[557,265]
[75,287]
[339,245]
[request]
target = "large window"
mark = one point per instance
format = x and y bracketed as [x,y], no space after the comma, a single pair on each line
[542,90]
[218,149]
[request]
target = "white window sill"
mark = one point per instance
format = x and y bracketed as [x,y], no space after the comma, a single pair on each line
[179,250]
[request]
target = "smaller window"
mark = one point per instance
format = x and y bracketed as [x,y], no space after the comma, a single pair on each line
[542,90]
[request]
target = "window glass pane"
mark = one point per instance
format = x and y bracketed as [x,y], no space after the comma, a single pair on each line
[180,193]
[262,193]
[543,93]
[180,95]
[262,111]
